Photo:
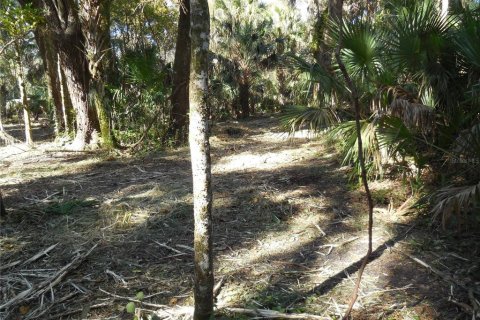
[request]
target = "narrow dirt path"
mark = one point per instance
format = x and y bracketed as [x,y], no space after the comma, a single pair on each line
[288,231]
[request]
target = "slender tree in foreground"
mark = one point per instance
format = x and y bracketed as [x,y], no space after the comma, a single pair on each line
[355,99]
[200,154]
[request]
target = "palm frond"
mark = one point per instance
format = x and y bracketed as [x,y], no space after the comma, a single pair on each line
[141,68]
[467,145]
[315,72]
[455,200]
[316,119]
[347,135]
[418,39]
[361,50]
[395,137]
[467,39]
[414,115]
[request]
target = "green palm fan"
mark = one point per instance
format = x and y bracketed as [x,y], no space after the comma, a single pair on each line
[467,39]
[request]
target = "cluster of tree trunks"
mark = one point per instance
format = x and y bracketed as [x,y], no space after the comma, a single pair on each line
[74,43]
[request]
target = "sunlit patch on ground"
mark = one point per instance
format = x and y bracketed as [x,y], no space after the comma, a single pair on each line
[289,229]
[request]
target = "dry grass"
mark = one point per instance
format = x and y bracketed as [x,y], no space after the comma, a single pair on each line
[288,232]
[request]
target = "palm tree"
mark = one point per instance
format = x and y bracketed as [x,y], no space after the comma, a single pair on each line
[241,36]
[417,76]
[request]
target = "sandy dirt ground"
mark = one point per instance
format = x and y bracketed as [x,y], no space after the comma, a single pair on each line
[289,234]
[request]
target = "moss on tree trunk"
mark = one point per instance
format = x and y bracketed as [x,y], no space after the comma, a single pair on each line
[95,21]
[49,57]
[201,164]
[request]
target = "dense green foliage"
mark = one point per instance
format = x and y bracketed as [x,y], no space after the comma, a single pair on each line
[417,74]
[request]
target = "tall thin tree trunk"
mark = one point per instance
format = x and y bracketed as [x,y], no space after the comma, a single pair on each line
[181,73]
[355,100]
[3,103]
[335,9]
[24,99]
[280,72]
[201,163]
[244,97]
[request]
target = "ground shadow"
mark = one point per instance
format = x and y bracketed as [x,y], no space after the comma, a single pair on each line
[272,223]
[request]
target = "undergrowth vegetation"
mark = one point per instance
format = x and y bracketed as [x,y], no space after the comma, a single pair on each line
[417,74]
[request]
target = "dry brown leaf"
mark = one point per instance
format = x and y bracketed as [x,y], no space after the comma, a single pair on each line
[24,309]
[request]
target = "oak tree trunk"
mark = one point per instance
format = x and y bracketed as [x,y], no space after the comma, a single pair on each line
[50,62]
[95,20]
[63,21]
[77,80]
[201,164]
[181,73]
[67,107]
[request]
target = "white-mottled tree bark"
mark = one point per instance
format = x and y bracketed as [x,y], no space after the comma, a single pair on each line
[200,154]
[24,100]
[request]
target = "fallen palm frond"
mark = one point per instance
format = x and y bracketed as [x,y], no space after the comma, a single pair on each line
[414,115]
[455,200]
[39,289]
[460,200]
